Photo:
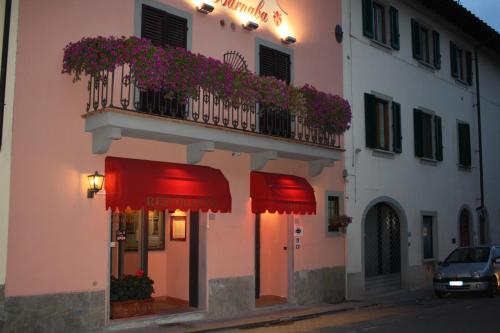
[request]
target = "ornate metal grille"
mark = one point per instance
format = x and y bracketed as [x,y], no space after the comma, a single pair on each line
[382,241]
[236,60]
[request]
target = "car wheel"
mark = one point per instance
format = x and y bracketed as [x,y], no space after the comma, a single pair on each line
[439,294]
[492,290]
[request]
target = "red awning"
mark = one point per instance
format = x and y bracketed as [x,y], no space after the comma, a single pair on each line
[281,193]
[164,186]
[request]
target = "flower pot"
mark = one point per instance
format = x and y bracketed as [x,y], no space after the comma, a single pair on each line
[132,308]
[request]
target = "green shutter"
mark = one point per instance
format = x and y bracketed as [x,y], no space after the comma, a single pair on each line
[396,128]
[453,60]
[394,17]
[468,66]
[438,132]
[368,18]
[437,49]
[415,38]
[371,120]
[418,132]
[464,144]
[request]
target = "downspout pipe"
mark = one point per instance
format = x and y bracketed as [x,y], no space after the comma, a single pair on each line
[480,209]
[3,71]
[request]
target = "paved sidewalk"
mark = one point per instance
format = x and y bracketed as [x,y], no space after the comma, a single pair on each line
[280,315]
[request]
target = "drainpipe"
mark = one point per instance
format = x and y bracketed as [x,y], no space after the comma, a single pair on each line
[5,52]
[479,130]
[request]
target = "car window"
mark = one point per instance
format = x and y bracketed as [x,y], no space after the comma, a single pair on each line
[497,252]
[467,255]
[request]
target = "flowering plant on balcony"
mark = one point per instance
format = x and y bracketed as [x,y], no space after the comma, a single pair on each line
[180,74]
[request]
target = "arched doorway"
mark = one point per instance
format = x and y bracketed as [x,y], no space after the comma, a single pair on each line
[465,228]
[382,249]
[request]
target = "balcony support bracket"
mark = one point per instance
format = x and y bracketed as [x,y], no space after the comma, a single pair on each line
[196,151]
[316,166]
[102,138]
[259,160]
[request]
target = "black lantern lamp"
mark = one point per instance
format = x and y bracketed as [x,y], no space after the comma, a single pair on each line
[205,8]
[289,40]
[95,184]
[250,25]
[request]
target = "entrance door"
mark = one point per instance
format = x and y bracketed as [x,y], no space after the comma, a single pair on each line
[271,259]
[382,249]
[465,229]
[194,255]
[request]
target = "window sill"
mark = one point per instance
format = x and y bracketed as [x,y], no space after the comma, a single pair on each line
[381,46]
[428,161]
[427,66]
[462,83]
[467,168]
[383,153]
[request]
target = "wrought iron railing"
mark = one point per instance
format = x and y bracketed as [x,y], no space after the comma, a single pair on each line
[115,89]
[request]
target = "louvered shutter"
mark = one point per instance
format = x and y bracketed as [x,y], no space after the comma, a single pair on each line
[367,18]
[396,128]
[152,25]
[394,19]
[274,63]
[468,66]
[175,31]
[453,60]
[436,49]
[415,38]
[370,121]
[464,144]
[438,135]
[418,132]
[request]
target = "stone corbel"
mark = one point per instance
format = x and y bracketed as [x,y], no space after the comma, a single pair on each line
[102,138]
[196,151]
[259,160]
[315,167]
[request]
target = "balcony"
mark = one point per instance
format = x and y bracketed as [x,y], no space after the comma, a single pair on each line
[117,108]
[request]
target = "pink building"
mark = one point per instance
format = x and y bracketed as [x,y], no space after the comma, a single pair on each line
[225,208]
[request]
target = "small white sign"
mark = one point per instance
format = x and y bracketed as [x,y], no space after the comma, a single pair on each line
[112,244]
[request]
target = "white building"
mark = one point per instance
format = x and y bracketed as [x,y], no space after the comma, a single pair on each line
[413,151]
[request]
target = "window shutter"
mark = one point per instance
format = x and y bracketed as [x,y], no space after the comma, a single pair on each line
[274,63]
[468,65]
[368,18]
[418,132]
[415,37]
[370,121]
[396,128]
[437,49]
[152,25]
[464,144]
[175,31]
[453,60]
[438,138]
[394,16]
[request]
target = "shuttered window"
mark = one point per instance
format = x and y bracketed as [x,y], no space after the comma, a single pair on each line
[277,64]
[382,124]
[367,18]
[394,19]
[461,63]
[425,44]
[427,135]
[376,19]
[464,149]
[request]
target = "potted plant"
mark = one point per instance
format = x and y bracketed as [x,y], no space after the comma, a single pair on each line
[131,295]
[339,222]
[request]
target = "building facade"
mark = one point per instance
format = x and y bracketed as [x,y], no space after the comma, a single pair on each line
[412,153]
[225,213]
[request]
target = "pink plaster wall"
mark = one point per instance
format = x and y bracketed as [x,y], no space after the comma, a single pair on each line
[59,239]
[177,282]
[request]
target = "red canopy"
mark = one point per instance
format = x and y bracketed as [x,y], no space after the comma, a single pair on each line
[164,186]
[282,193]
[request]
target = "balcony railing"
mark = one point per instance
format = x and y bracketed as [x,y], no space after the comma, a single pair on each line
[115,89]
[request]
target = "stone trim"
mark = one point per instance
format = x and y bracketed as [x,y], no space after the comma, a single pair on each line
[54,313]
[231,296]
[324,285]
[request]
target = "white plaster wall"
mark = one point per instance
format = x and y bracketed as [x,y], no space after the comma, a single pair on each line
[5,152]
[442,188]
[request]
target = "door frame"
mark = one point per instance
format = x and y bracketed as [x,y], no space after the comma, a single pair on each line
[194,258]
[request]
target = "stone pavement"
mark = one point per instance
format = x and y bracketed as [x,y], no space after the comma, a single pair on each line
[281,315]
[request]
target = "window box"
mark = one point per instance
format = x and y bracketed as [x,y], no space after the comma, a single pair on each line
[339,223]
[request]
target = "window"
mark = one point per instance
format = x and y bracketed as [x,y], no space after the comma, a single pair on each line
[164,30]
[333,213]
[426,44]
[277,64]
[496,254]
[375,23]
[464,150]
[428,237]
[383,124]
[428,135]
[461,63]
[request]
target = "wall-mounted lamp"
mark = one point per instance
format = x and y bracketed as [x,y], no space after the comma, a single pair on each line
[289,40]
[250,25]
[95,184]
[205,8]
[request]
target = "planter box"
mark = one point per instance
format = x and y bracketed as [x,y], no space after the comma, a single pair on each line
[132,308]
